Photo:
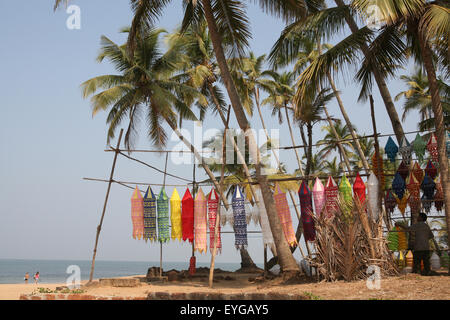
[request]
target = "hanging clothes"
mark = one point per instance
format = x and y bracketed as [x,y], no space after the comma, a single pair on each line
[359,190]
[200,222]
[175,215]
[419,146]
[284,214]
[418,172]
[345,189]
[213,203]
[150,232]
[403,170]
[306,212]
[391,149]
[398,185]
[319,197]
[137,214]
[265,225]
[431,170]
[163,217]
[187,216]
[372,194]
[432,147]
[390,202]
[405,150]
[239,221]
[413,187]
[332,195]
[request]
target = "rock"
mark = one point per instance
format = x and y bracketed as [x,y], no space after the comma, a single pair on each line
[173,275]
[153,272]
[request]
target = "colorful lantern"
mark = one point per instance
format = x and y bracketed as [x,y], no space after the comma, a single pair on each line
[405,150]
[418,172]
[391,149]
[378,169]
[345,189]
[192,265]
[403,170]
[402,239]
[284,214]
[392,239]
[200,220]
[175,215]
[150,216]
[431,170]
[426,203]
[265,225]
[402,203]
[306,212]
[413,187]
[163,217]
[373,190]
[359,190]
[332,194]
[240,223]
[319,196]
[187,216]
[137,214]
[439,197]
[432,147]
[390,202]
[398,185]
[419,146]
[428,187]
[213,202]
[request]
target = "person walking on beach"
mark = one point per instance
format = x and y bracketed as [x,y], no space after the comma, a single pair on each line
[421,233]
[27,276]
[36,277]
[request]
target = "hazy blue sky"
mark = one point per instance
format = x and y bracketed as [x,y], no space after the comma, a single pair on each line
[50,141]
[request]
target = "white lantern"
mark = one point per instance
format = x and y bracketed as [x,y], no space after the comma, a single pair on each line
[373,196]
[435,262]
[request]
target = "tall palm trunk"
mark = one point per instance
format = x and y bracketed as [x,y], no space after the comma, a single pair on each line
[293,140]
[287,261]
[439,124]
[384,91]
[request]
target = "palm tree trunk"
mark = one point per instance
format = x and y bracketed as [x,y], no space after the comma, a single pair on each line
[287,261]
[382,86]
[439,124]
[293,141]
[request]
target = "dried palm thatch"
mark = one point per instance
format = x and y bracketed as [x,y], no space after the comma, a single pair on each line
[347,244]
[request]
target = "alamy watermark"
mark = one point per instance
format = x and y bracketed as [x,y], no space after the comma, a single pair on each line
[73,22]
[374,16]
[74,280]
[373,282]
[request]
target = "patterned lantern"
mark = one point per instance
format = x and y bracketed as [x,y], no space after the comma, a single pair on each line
[345,189]
[319,196]
[391,149]
[439,197]
[359,190]
[284,214]
[306,212]
[402,203]
[428,187]
[405,150]
[239,221]
[137,214]
[213,202]
[187,216]
[432,147]
[192,265]
[426,203]
[390,202]
[332,194]
[200,220]
[163,217]
[398,185]
[419,145]
[264,221]
[392,239]
[403,170]
[175,215]
[418,172]
[372,195]
[413,187]
[378,169]
[431,170]
[150,216]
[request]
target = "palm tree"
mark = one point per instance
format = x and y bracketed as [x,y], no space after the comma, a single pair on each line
[332,168]
[368,147]
[331,140]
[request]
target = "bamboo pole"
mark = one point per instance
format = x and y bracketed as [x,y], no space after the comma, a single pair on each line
[99,227]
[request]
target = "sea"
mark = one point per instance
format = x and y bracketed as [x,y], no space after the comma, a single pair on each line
[58,271]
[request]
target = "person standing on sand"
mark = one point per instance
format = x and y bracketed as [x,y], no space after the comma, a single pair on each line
[36,277]
[27,276]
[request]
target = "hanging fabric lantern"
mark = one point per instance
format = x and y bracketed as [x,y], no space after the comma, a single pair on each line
[428,187]
[200,222]
[391,149]
[319,197]
[390,202]
[435,262]
[413,187]
[331,194]
[372,194]
[392,239]
[402,203]
[431,170]
[405,150]
[137,214]
[401,260]
[213,202]
[409,259]
[345,189]
[403,170]
[187,216]
[284,214]
[264,221]
[240,223]
[192,266]
[432,147]
[439,196]
[419,146]
[150,216]
[378,169]
[402,239]
[426,203]
[359,190]
[398,185]
[175,215]
[417,171]
[163,217]
[306,212]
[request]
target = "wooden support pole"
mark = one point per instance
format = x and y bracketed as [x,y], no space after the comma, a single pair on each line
[99,227]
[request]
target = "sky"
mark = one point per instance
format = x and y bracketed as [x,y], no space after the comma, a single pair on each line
[50,141]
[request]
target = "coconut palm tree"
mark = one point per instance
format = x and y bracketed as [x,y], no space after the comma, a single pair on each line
[331,142]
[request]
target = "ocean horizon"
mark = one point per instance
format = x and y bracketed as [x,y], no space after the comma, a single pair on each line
[12,271]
